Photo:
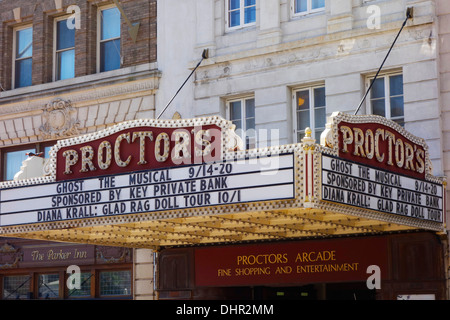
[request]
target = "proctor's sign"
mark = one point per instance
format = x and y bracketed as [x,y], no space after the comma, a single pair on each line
[375,164]
[378,145]
[139,148]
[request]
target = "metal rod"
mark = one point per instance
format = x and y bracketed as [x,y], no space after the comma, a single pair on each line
[204,56]
[408,16]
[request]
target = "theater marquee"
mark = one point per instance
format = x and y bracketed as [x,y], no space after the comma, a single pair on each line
[152,183]
[373,163]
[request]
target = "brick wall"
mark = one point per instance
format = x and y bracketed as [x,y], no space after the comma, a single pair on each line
[41,14]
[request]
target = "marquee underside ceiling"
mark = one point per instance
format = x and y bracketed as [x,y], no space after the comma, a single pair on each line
[221,228]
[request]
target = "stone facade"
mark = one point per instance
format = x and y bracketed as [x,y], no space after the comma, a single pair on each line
[443,12]
[340,47]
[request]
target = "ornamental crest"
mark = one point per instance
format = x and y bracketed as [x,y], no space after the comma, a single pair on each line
[59,120]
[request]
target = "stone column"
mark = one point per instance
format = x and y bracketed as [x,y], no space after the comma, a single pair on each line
[143,275]
[269,27]
[341,16]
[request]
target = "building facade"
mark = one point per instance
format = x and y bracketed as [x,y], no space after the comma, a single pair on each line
[277,67]
[69,68]
[274,68]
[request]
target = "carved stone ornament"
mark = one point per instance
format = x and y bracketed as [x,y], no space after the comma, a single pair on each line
[113,255]
[9,256]
[59,120]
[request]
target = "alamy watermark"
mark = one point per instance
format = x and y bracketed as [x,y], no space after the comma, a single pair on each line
[374,20]
[74,279]
[374,280]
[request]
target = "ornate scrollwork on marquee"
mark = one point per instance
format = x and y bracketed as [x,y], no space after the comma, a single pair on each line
[10,257]
[59,120]
[113,255]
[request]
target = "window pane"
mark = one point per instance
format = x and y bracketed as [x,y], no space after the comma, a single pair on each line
[396,85]
[234,4]
[238,124]
[303,100]
[115,283]
[235,111]
[235,18]
[110,23]
[301,6]
[250,3]
[85,286]
[250,15]
[65,36]
[378,107]
[110,55]
[24,43]
[48,286]
[316,4]
[317,133]
[397,107]
[66,65]
[16,287]
[319,97]
[14,162]
[303,120]
[320,117]
[250,108]
[377,90]
[250,126]
[23,72]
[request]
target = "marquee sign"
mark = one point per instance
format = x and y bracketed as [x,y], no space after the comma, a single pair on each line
[365,187]
[139,148]
[375,164]
[339,260]
[151,183]
[203,185]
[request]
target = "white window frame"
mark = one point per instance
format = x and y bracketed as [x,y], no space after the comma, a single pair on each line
[307,12]
[243,99]
[241,15]
[15,30]
[387,95]
[312,119]
[55,39]
[99,33]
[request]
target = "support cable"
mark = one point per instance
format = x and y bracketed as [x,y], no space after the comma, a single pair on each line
[409,15]
[204,56]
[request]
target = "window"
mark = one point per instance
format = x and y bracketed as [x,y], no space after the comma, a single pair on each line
[308,6]
[310,111]
[240,13]
[23,57]
[16,287]
[242,115]
[386,97]
[13,157]
[48,286]
[85,287]
[109,40]
[115,283]
[64,50]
